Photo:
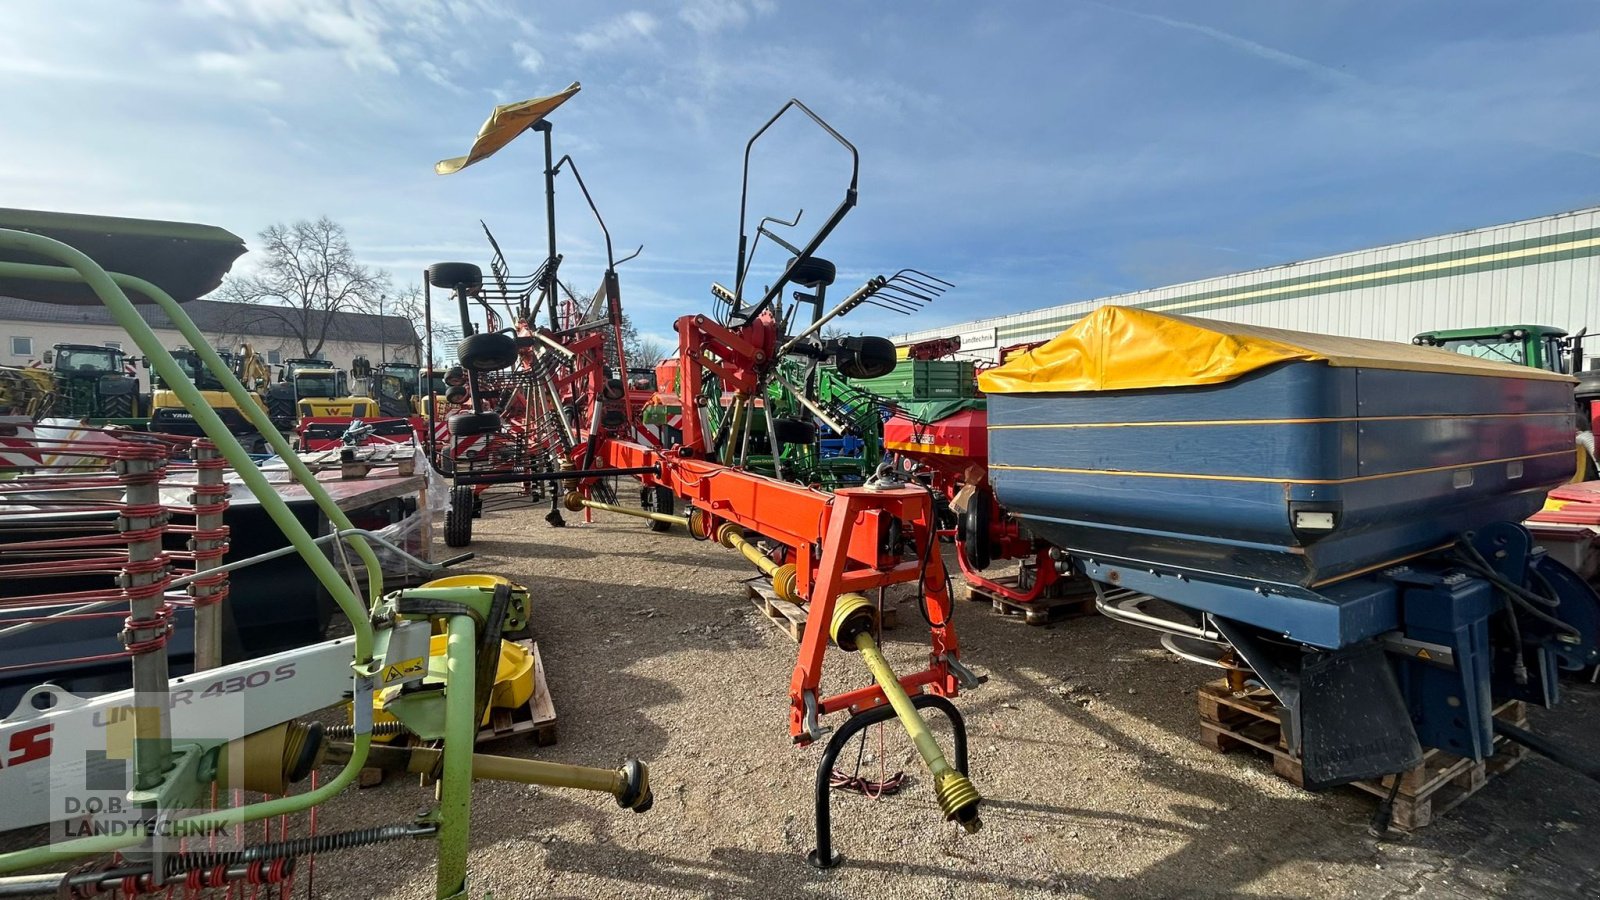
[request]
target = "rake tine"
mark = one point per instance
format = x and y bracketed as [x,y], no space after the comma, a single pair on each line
[924,275]
[911,285]
[894,309]
[906,295]
[914,289]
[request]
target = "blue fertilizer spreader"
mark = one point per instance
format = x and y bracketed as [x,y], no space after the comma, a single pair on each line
[1341,515]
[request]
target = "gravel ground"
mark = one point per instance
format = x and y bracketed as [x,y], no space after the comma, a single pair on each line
[1082,742]
[1083,745]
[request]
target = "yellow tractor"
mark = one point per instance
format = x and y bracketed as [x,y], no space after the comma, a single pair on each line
[169,416]
[324,393]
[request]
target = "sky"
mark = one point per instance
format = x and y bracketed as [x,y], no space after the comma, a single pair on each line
[1033,152]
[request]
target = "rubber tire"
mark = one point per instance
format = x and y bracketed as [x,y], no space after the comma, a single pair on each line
[473,424]
[659,499]
[451,275]
[1588,386]
[458,518]
[865,357]
[813,271]
[793,431]
[280,403]
[487,352]
[973,531]
[117,406]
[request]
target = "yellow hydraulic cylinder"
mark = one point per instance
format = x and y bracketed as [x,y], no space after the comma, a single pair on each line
[576,502]
[783,577]
[853,620]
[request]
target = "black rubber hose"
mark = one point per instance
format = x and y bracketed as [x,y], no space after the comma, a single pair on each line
[1516,592]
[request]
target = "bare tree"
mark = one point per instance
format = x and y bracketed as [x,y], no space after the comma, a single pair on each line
[408,304]
[642,352]
[646,352]
[307,275]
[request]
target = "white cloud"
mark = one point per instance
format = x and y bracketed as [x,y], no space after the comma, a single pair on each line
[219,63]
[626,28]
[528,59]
[1251,48]
[711,16]
[437,75]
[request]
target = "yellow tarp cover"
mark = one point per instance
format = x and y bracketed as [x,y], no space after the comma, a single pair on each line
[1121,348]
[503,126]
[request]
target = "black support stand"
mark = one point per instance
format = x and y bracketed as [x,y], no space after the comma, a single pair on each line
[824,856]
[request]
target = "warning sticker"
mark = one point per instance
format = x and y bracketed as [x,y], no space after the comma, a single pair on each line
[405,670]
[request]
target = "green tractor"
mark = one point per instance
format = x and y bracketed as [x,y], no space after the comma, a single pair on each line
[1537,346]
[92,384]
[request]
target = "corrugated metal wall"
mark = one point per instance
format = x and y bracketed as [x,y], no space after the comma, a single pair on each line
[1543,271]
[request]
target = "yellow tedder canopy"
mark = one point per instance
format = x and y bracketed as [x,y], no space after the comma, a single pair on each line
[1122,348]
[503,126]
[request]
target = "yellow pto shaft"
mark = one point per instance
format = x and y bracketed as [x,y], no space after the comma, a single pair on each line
[629,783]
[854,621]
[783,577]
[576,502]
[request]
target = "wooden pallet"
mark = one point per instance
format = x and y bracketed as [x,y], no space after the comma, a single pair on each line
[1229,721]
[790,617]
[1075,598]
[536,718]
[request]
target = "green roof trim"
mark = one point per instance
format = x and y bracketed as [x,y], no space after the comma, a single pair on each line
[1510,254]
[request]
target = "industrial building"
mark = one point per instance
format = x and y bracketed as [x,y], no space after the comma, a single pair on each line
[1543,271]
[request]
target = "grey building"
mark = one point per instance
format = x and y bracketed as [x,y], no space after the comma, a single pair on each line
[28,329]
[1543,271]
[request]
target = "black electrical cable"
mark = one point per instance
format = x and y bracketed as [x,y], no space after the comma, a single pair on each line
[1383,816]
[922,570]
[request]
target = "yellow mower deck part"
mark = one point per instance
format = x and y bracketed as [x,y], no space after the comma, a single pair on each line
[513,681]
[516,612]
[477,580]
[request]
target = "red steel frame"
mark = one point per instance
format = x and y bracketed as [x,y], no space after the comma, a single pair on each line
[835,541]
